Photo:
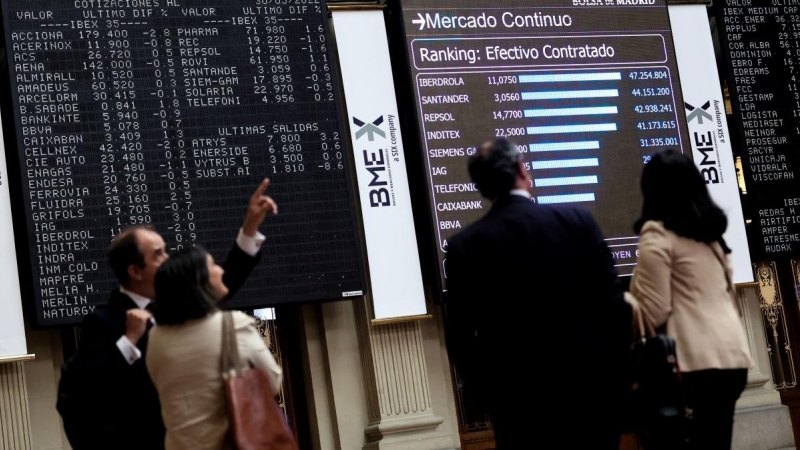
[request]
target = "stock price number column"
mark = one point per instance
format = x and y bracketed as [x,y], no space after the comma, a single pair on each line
[292,72]
[175,160]
[111,64]
[654,104]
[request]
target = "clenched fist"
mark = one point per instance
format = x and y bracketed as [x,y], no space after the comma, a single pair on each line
[136,324]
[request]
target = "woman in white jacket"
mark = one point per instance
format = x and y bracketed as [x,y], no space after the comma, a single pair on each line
[184,351]
[683,282]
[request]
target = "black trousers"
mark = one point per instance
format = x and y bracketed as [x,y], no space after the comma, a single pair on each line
[711,396]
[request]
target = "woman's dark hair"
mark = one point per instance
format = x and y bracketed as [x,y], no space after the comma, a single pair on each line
[676,194]
[182,291]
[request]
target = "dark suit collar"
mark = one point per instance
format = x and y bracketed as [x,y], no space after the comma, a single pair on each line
[508,200]
[120,301]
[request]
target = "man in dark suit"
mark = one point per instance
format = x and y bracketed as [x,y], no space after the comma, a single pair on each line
[536,283]
[122,406]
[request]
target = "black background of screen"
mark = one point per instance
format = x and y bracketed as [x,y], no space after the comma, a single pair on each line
[620,203]
[761,56]
[312,250]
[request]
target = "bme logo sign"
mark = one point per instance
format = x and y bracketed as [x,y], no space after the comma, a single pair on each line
[375,161]
[705,132]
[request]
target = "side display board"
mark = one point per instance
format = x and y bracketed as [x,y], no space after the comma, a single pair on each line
[587,89]
[761,46]
[169,113]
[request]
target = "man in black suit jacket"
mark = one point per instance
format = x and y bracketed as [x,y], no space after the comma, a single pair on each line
[536,283]
[124,403]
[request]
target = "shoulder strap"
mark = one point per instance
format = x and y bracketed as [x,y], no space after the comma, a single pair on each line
[231,364]
[641,327]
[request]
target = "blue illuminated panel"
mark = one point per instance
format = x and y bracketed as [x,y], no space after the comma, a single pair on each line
[564,146]
[557,78]
[565,163]
[583,128]
[559,112]
[565,181]
[560,95]
[569,198]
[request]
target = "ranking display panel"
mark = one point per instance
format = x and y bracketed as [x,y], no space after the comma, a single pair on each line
[588,90]
[761,46]
[169,113]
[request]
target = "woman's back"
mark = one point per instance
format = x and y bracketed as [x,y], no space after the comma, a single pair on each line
[683,280]
[184,364]
[683,283]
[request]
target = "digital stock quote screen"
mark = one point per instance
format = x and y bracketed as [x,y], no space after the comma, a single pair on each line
[169,113]
[586,89]
[761,45]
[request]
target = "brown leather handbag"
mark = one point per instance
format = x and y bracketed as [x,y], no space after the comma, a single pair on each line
[256,421]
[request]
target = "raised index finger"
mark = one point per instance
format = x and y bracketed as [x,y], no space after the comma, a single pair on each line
[261,188]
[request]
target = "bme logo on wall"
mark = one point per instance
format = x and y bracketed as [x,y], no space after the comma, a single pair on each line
[378,158]
[707,132]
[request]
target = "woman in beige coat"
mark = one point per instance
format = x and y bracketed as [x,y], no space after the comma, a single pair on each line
[683,282]
[184,352]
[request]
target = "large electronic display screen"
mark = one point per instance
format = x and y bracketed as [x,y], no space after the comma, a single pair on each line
[588,90]
[169,113]
[761,48]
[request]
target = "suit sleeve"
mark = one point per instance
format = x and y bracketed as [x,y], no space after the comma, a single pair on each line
[613,313]
[461,331]
[252,347]
[104,373]
[99,336]
[237,267]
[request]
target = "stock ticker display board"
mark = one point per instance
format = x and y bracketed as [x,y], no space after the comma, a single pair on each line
[169,113]
[587,90]
[761,46]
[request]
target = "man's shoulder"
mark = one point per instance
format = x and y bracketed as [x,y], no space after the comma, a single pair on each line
[109,314]
[522,212]
[570,213]
[469,232]
[556,220]
[574,217]
[101,317]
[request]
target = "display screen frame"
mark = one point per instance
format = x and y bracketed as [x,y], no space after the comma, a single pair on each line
[24,233]
[411,108]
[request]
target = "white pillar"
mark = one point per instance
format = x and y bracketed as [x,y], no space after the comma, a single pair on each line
[396,374]
[761,421]
[376,387]
[15,424]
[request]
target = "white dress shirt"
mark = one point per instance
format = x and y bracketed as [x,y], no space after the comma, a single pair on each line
[521,193]
[248,244]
